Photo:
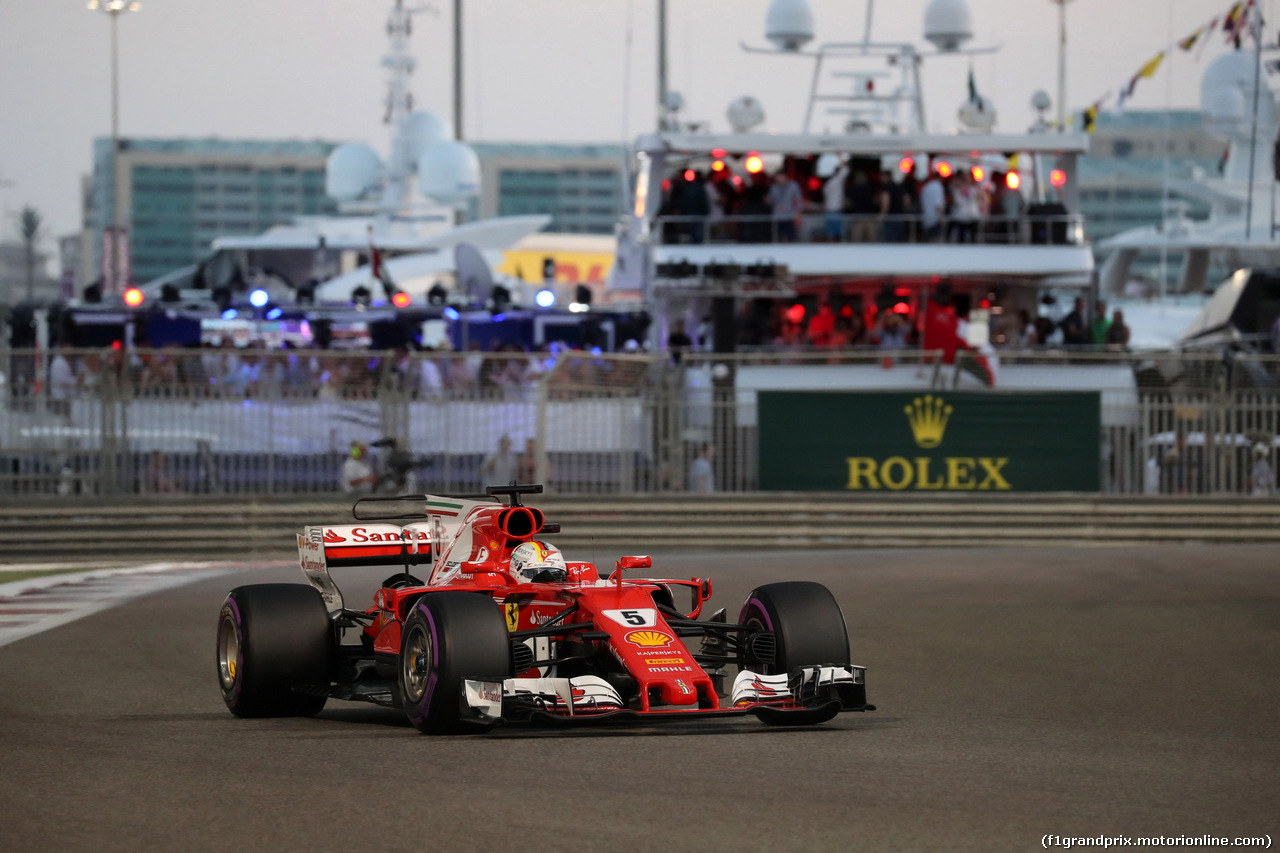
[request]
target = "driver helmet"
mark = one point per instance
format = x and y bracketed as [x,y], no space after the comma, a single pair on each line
[538,561]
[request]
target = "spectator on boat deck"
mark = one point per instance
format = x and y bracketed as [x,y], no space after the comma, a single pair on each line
[787,202]
[822,325]
[833,202]
[896,205]
[864,204]
[678,342]
[694,203]
[1101,325]
[1074,331]
[1027,335]
[966,209]
[933,203]
[891,331]
[1118,332]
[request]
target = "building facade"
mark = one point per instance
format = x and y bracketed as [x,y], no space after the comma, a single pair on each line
[580,186]
[176,195]
[1122,180]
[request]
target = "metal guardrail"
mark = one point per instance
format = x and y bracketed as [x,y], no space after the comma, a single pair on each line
[174,423]
[143,528]
[1023,230]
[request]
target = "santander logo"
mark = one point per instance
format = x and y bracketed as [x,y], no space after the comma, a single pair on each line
[332,537]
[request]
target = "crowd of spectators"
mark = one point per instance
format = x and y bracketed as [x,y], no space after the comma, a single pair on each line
[857,202]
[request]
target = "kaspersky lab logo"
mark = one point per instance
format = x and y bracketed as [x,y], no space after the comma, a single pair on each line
[927,417]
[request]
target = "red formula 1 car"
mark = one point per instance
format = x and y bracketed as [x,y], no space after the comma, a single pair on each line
[504,630]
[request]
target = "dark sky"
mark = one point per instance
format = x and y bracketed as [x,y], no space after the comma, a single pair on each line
[536,70]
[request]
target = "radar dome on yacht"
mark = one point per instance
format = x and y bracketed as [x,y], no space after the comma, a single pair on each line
[789,24]
[449,172]
[1226,90]
[745,113]
[426,129]
[352,170]
[947,24]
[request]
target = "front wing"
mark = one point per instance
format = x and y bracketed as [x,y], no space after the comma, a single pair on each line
[804,696]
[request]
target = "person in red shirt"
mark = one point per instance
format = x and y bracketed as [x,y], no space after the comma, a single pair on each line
[822,325]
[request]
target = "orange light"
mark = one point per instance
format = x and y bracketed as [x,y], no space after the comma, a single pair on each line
[717,166]
[1057,177]
[401,299]
[905,165]
[1013,180]
[689,174]
[133,297]
[753,163]
[979,173]
[943,168]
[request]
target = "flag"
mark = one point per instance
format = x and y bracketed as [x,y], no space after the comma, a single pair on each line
[1236,19]
[973,89]
[1090,118]
[1125,93]
[1152,65]
[1190,41]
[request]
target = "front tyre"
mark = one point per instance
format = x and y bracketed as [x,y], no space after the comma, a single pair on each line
[274,639]
[449,637]
[805,622]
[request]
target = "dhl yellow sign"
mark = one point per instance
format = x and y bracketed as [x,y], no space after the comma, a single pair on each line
[571,267]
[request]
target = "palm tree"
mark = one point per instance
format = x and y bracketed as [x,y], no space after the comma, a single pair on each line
[30,225]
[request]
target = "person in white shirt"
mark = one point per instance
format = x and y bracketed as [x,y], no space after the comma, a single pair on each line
[833,202]
[787,203]
[356,474]
[500,469]
[933,202]
[702,478]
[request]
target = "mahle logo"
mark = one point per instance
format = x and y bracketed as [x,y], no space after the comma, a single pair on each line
[928,417]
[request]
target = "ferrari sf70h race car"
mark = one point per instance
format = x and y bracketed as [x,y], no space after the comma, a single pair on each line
[503,630]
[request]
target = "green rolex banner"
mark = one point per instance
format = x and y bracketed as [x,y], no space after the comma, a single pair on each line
[926,441]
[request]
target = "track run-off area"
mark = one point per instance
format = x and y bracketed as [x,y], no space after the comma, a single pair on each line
[1022,693]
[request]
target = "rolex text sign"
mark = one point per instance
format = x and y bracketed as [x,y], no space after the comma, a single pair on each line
[929,441]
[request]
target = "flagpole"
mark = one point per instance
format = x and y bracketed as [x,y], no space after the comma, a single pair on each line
[1255,29]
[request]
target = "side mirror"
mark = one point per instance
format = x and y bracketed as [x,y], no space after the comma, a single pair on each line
[645,562]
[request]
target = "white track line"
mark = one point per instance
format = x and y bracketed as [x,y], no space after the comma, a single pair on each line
[34,605]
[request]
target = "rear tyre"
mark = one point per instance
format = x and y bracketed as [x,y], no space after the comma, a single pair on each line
[806,622]
[273,639]
[448,637]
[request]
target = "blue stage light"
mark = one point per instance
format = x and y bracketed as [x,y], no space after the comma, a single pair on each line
[275,313]
[259,297]
[451,313]
[545,298]
[229,314]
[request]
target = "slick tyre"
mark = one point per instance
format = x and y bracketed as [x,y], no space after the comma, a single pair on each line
[274,639]
[449,637]
[806,623]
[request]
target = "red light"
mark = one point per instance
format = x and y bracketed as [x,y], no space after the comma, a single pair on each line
[846,311]
[902,308]
[717,166]
[737,181]
[666,185]
[905,165]
[1013,180]
[401,299]
[133,297]
[117,346]
[717,153]
[943,168]
[901,291]
[689,174]
[986,303]
[795,314]
[1057,177]
[979,173]
[753,163]
[815,183]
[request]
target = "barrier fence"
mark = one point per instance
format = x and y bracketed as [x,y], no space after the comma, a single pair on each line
[235,422]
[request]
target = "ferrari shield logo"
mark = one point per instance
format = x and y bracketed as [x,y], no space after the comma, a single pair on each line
[512,609]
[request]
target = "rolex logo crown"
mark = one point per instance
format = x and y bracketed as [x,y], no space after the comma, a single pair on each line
[928,417]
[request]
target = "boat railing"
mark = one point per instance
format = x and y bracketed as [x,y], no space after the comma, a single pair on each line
[1020,230]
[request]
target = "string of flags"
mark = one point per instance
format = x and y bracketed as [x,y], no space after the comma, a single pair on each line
[1243,15]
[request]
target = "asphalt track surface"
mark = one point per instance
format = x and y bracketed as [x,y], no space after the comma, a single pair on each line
[1022,692]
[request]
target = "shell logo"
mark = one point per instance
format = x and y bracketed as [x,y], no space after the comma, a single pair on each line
[650,639]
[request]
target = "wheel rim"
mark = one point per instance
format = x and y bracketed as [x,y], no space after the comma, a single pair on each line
[415,664]
[228,652]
